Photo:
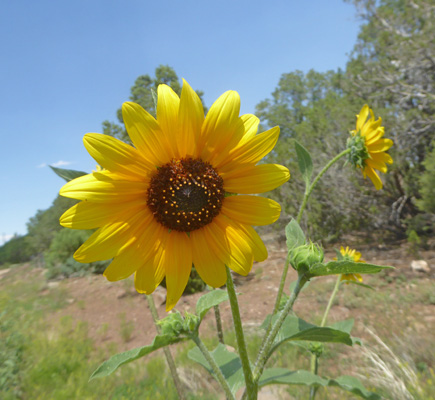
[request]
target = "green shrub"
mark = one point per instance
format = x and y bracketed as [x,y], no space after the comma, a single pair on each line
[427,183]
[59,259]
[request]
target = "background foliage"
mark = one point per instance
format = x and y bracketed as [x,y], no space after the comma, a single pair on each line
[392,68]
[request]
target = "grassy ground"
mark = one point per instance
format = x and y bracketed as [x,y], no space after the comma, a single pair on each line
[42,358]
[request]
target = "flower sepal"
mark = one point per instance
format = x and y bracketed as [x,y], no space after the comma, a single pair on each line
[302,258]
[358,150]
[175,324]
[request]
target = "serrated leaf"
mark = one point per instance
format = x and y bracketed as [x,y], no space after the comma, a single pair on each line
[229,363]
[67,174]
[209,300]
[114,362]
[294,234]
[305,162]
[281,375]
[345,267]
[353,385]
[344,326]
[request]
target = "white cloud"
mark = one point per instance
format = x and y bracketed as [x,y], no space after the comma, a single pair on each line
[61,163]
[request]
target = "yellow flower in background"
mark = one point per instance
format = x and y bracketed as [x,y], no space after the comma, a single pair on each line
[368,147]
[161,205]
[352,255]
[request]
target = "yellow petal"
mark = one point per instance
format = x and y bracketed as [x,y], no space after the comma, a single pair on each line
[362,117]
[85,215]
[255,179]
[220,124]
[109,240]
[380,166]
[168,104]
[117,156]
[246,234]
[246,128]
[252,151]
[151,274]
[146,134]
[382,157]
[191,117]
[374,177]
[178,264]
[134,257]
[379,146]
[100,187]
[251,210]
[237,256]
[371,127]
[210,268]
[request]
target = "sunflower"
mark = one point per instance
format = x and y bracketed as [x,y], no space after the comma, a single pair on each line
[368,147]
[168,202]
[352,255]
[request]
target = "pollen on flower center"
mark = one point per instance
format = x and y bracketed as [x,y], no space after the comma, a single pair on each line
[186,194]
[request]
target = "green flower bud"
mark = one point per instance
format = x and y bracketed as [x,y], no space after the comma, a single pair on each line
[191,322]
[358,150]
[172,324]
[316,348]
[303,257]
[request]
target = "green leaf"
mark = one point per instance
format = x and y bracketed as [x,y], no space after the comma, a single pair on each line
[67,174]
[359,284]
[209,300]
[345,267]
[353,385]
[294,234]
[294,328]
[281,375]
[114,362]
[305,162]
[346,326]
[229,363]
[301,377]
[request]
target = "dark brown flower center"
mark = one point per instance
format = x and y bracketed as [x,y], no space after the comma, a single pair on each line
[185,194]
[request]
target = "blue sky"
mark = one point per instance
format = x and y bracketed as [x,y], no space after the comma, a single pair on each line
[68,65]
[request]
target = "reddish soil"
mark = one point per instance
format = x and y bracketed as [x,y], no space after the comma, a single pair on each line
[103,304]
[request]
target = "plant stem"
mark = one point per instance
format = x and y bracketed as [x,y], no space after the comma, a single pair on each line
[314,183]
[220,331]
[281,284]
[251,388]
[166,350]
[218,373]
[307,194]
[263,355]
[314,357]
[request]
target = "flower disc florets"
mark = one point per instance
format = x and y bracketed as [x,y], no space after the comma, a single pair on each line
[186,194]
[358,150]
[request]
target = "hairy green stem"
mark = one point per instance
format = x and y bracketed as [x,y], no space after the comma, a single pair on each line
[310,188]
[251,388]
[307,194]
[220,331]
[217,372]
[166,350]
[314,357]
[263,355]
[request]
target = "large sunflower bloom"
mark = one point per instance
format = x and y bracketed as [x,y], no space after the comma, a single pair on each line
[352,255]
[369,147]
[162,205]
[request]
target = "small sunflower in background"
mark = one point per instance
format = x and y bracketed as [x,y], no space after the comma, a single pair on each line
[165,203]
[351,255]
[369,147]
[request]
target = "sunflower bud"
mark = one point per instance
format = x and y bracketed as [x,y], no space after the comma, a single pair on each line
[358,150]
[175,325]
[305,256]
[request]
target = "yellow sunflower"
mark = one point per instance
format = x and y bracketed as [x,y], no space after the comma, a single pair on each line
[164,204]
[352,255]
[369,147]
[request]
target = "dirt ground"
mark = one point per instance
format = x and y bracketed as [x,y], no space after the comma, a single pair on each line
[104,305]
